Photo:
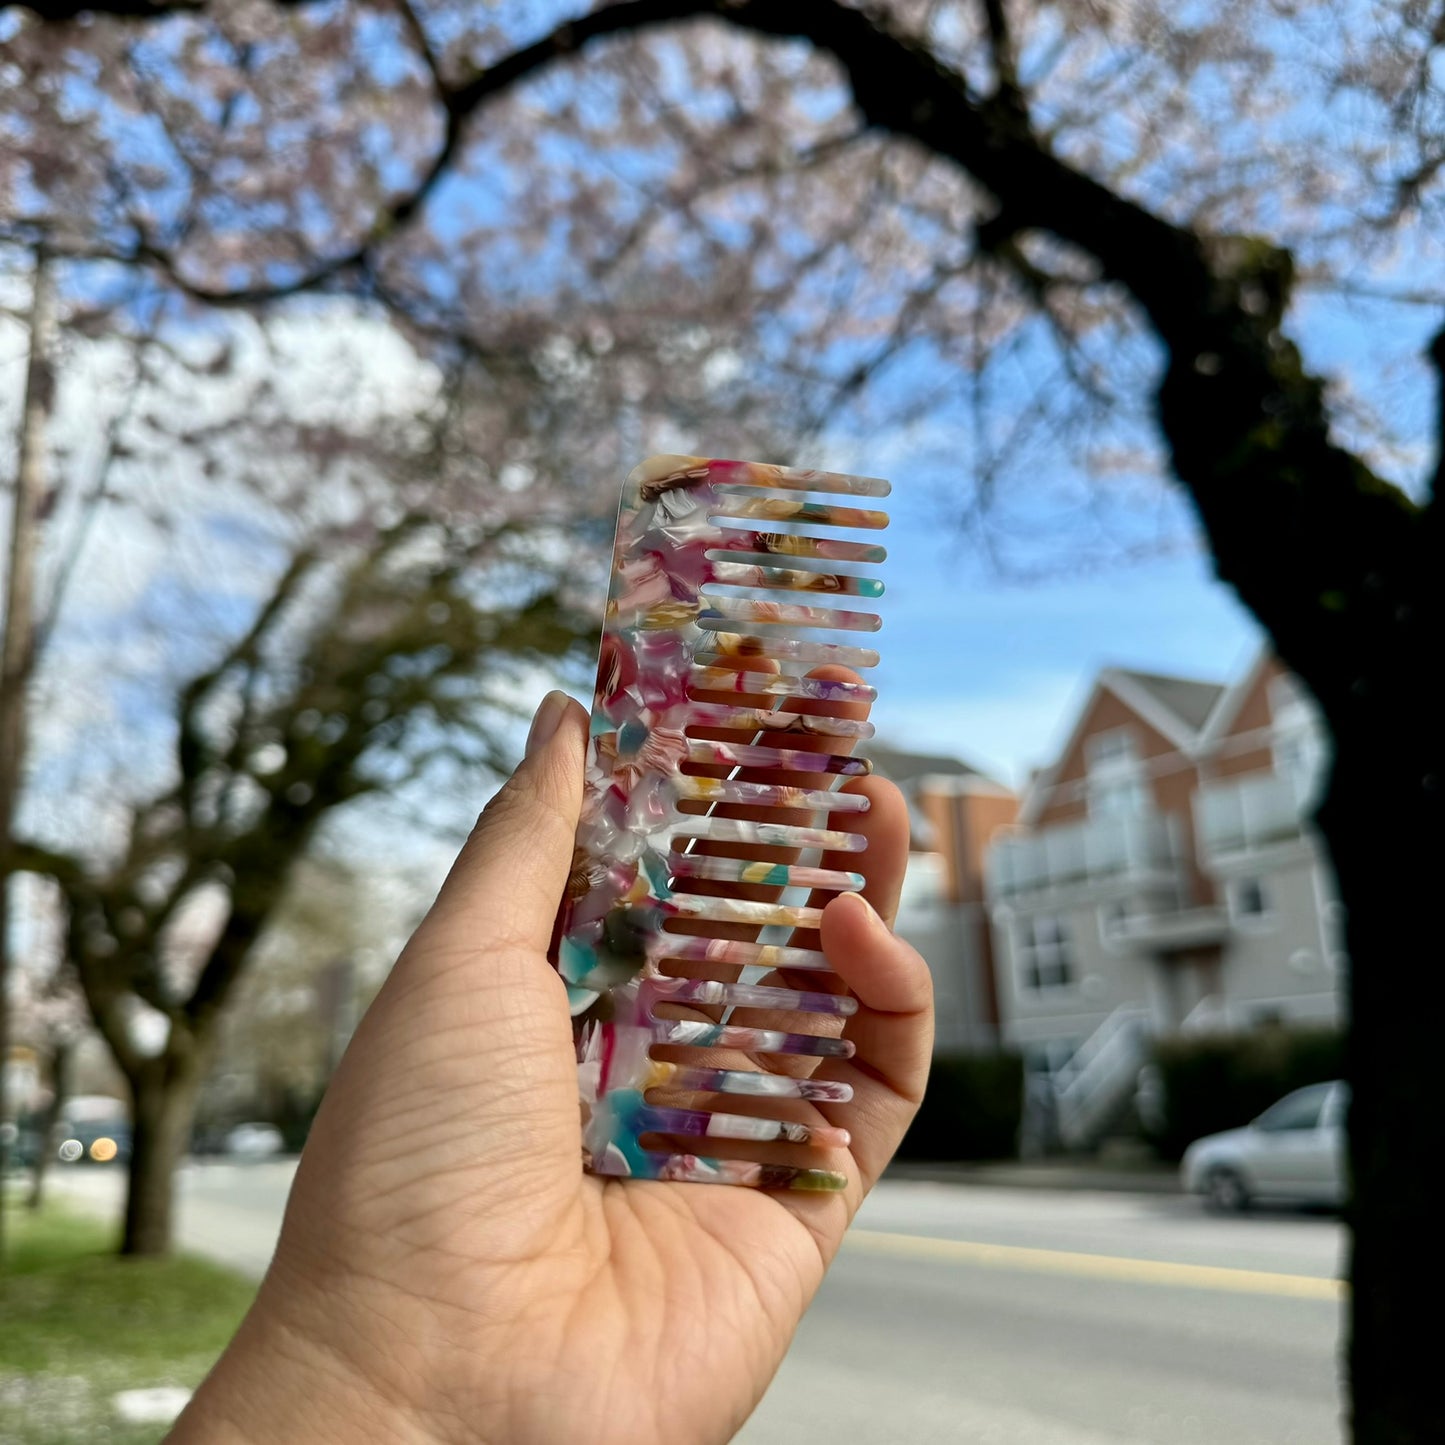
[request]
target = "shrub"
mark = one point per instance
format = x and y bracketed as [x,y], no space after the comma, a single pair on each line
[971,1110]
[1222,1081]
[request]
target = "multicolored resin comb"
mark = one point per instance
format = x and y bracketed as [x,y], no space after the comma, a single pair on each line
[645,907]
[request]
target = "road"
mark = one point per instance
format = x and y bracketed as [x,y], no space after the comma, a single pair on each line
[997,1316]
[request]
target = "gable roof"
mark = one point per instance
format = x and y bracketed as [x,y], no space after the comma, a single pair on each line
[1189,699]
[1221,720]
[903,767]
[1175,707]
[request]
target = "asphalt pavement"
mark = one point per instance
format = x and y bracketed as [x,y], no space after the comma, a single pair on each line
[990,1315]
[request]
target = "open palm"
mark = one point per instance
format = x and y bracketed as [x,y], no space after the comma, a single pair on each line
[447,1273]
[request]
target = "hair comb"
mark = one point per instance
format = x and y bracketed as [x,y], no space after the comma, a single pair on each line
[663,894]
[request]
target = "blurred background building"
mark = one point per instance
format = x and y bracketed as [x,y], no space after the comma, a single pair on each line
[954,810]
[1163,878]
[1159,877]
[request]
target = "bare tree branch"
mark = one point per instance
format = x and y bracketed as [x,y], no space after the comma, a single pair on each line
[193,751]
[30,857]
[420,40]
[1005,55]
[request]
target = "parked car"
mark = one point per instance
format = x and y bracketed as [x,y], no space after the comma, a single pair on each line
[254,1141]
[1294,1151]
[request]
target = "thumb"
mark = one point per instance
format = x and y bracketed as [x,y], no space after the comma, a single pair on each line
[465,1059]
[505,887]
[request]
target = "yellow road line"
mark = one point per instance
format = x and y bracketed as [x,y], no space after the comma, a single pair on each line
[1096,1266]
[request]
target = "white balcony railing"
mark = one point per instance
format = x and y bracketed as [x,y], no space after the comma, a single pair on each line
[1080,852]
[1249,812]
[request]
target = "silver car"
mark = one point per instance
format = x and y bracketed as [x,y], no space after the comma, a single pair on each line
[254,1141]
[1294,1151]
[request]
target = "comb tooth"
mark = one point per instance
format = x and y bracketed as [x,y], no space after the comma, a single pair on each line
[728,503]
[782,649]
[793,760]
[795,548]
[762,719]
[766,795]
[748,995]
[743,910]
[713,829]
[689,948]
[699,1034]
[661,1120]
[791,614]
[754,1085]
[695,1169]
[794,579]
[782,875]
[779,684]
[730,474]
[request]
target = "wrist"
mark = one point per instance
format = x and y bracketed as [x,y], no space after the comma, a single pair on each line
[280,1380]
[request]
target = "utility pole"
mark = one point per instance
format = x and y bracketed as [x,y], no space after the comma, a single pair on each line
[17,638]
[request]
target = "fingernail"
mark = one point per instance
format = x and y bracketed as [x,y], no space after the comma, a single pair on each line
[545,723]
[875,919]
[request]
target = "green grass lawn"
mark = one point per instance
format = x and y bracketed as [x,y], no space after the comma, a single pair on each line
[78,1324]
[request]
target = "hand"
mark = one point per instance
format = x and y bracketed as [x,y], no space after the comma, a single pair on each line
[446,1272]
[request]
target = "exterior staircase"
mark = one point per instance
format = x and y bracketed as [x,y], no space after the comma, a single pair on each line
[1093,1088]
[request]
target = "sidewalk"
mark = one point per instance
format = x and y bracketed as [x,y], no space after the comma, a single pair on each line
[1111,1177]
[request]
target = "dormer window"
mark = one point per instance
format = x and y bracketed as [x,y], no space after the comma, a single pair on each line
[1116,783]
[1111,748]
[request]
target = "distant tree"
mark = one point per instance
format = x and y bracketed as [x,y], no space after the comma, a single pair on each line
[249,795]
[1123,210]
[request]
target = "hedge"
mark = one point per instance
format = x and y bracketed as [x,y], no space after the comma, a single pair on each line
[971,1109]
[1224,1080]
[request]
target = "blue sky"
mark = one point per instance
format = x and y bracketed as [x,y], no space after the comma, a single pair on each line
[990,669]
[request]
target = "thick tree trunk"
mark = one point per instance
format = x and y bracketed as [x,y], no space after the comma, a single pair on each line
[163,1099]
[1384,820]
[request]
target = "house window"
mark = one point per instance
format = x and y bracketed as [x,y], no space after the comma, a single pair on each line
[1116,787]
[1111,747]
[1295,1112]
[1045,955]
[1250,898]
[1117,797]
